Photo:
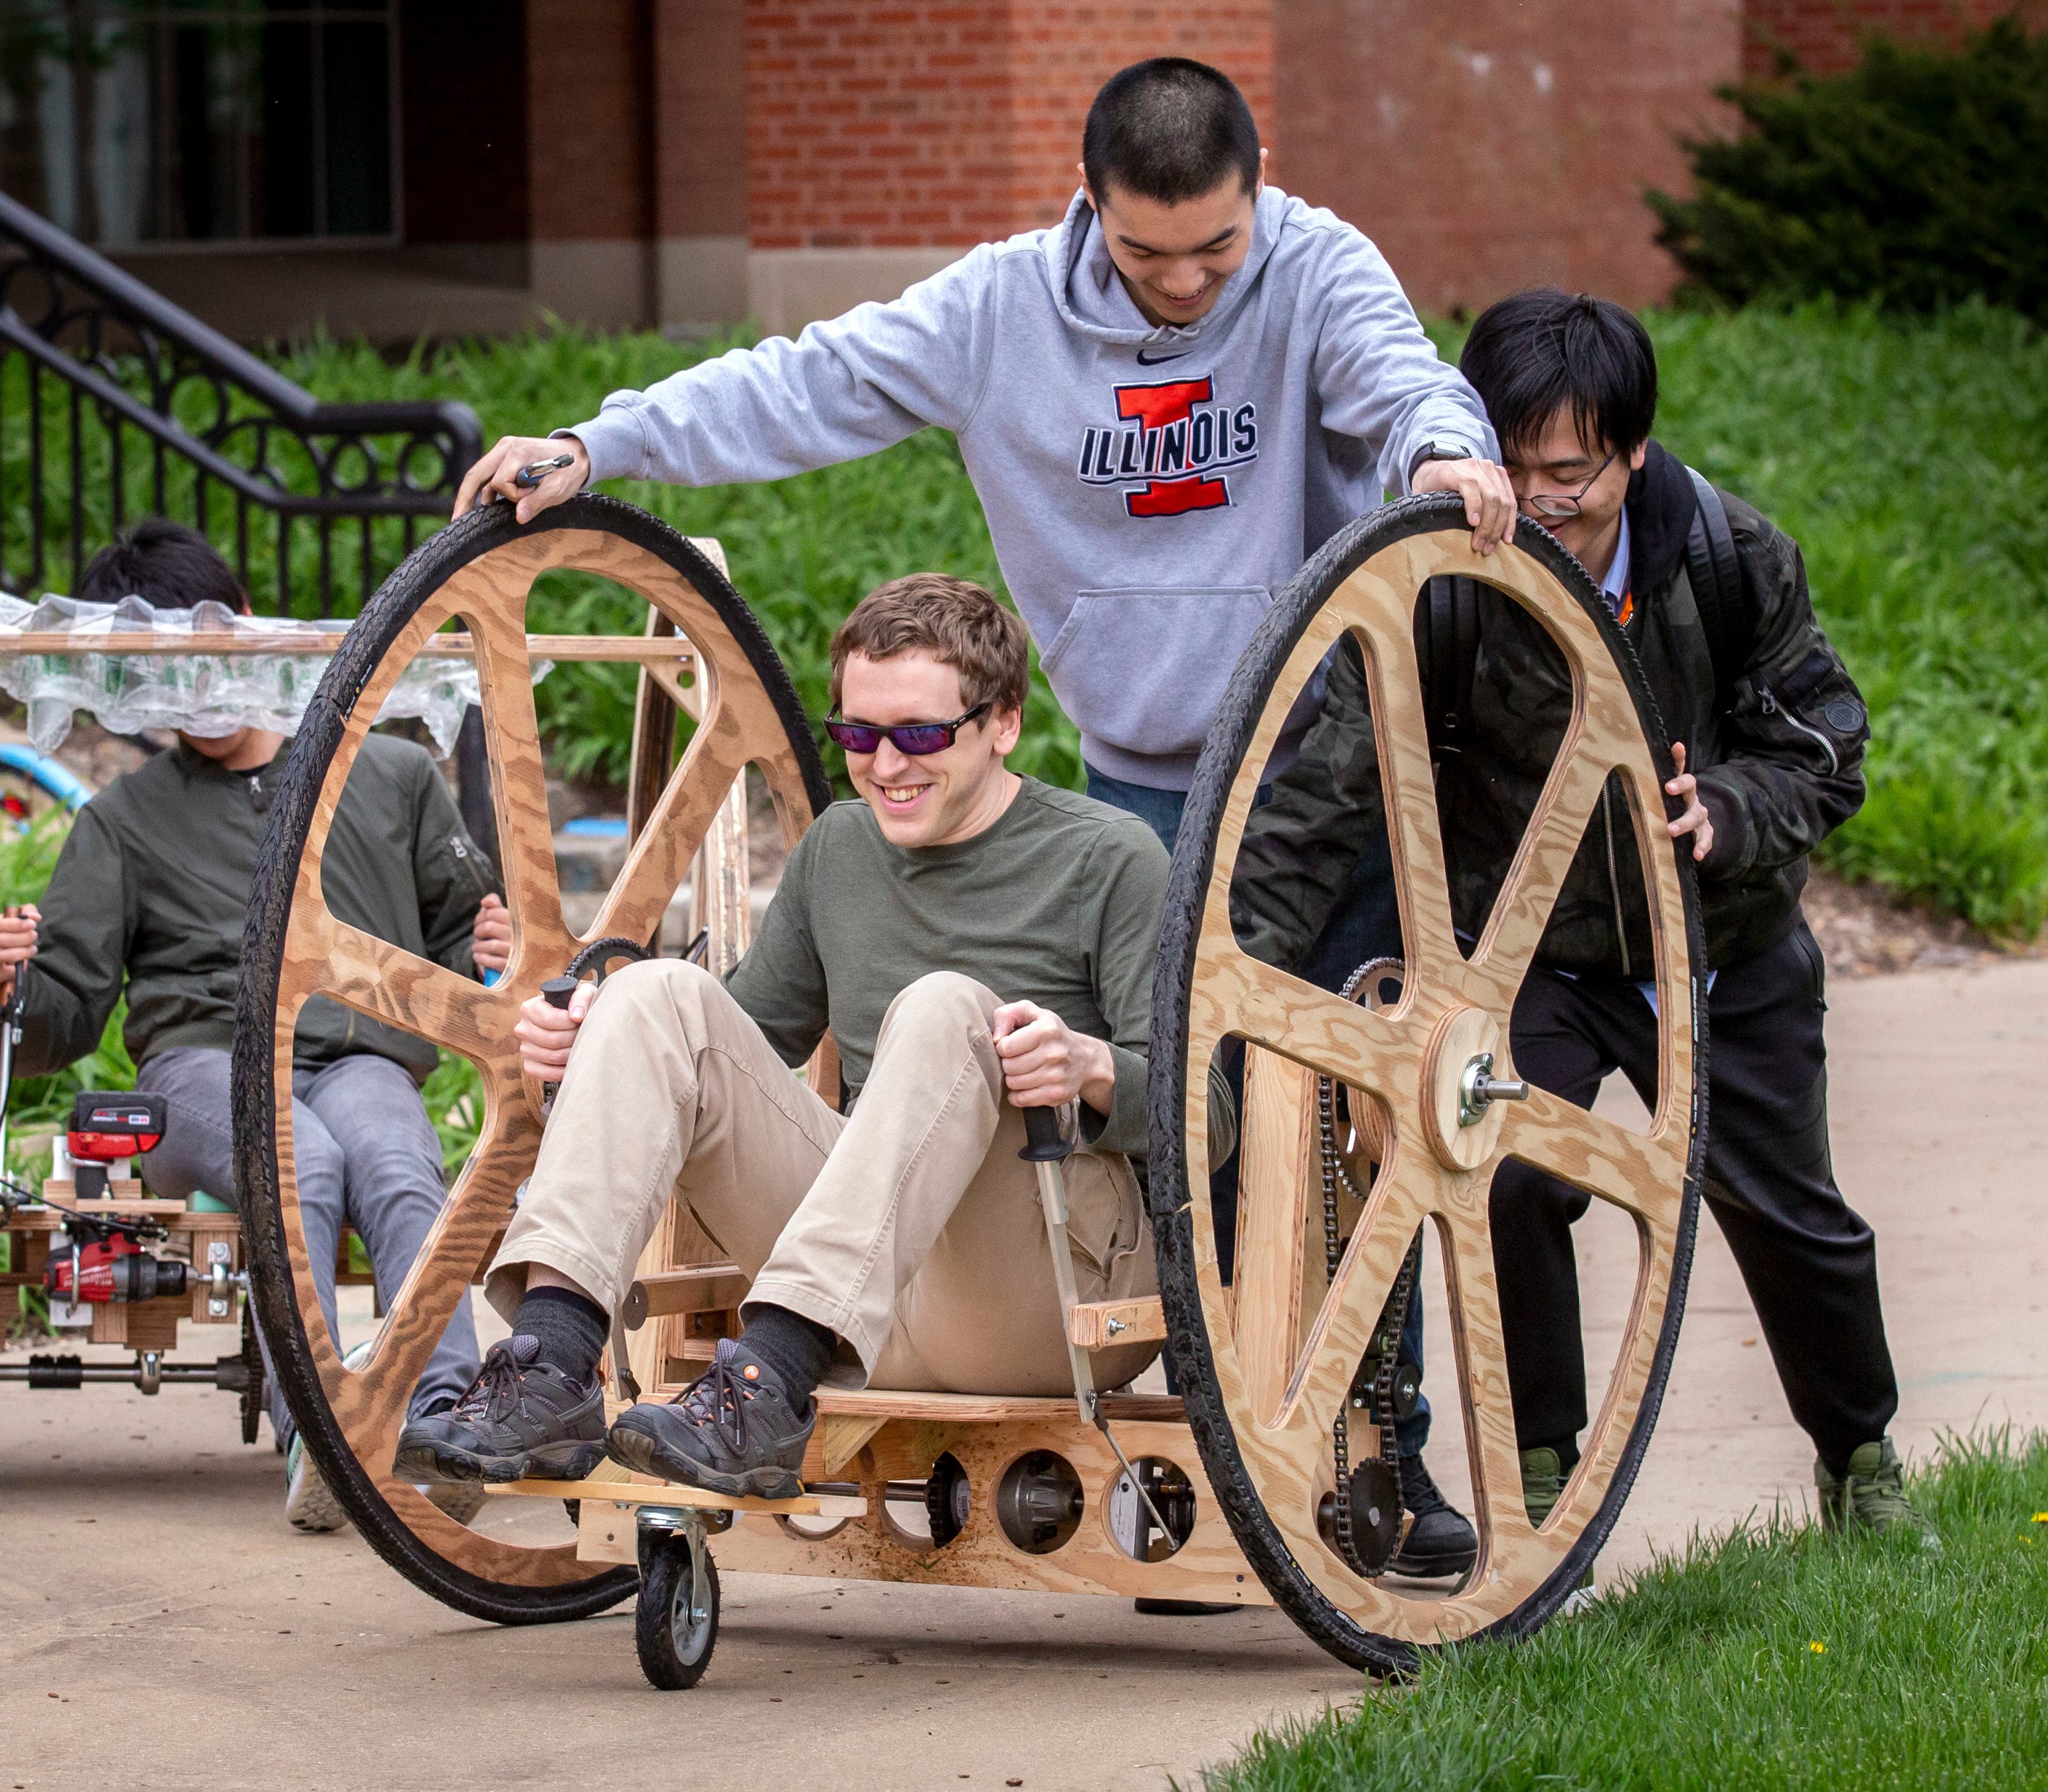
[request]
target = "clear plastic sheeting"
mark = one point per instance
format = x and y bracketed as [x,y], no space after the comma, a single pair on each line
[199,693]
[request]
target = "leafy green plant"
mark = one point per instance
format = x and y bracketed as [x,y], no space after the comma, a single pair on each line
[1920,179]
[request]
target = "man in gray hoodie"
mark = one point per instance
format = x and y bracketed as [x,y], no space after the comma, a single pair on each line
[1166,403]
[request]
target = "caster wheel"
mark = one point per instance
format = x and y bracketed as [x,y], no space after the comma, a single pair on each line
[675,1627]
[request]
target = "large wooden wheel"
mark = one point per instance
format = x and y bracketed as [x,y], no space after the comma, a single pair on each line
[476,574]
[1269,1363]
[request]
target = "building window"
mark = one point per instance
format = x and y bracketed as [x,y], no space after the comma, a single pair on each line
[133,122]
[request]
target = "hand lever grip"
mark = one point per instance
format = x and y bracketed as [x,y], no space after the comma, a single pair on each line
[556,992]
[1042,1132]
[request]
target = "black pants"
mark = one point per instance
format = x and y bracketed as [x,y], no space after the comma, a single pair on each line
[1810,1261]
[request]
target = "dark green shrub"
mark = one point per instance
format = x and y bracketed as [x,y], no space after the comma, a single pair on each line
[1918,181]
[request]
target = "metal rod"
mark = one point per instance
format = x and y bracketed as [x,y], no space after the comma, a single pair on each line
[131,1374]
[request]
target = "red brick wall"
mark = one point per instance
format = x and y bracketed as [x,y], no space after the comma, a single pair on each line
[1825,37]
[1492,145]
[930,123]
[590,74]
[700,117]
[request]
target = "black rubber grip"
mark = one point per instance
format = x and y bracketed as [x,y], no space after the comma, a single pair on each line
[557,990]
[1042,1132]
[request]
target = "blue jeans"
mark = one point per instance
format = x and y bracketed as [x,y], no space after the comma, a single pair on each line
[1365,924]
[367,1155]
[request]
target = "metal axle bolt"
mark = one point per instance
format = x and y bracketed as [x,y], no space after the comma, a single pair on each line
[1477,1091]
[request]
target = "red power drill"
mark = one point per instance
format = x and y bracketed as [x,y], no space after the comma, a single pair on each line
[107,1260]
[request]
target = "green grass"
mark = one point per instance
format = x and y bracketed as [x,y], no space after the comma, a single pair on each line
[1770,1657]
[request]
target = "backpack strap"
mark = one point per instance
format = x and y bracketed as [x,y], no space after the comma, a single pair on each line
[1715,574]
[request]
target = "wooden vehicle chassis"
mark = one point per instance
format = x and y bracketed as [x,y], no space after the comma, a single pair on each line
[1283,1342]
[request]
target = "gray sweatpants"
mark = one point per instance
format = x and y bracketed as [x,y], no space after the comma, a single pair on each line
[367,1157]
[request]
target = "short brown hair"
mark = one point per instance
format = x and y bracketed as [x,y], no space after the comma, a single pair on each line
[954,620]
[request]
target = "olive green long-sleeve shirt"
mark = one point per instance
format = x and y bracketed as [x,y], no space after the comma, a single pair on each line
[1057,903]
[153,883]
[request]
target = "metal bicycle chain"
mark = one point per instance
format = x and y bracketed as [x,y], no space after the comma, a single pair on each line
[1393,1317]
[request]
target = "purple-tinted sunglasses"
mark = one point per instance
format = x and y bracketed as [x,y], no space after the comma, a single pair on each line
[916,738]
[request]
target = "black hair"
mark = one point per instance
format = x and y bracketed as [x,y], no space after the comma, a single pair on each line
[163,563]
[1538,353]
[1170,130]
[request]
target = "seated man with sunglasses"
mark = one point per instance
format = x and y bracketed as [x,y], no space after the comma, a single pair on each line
[977,942]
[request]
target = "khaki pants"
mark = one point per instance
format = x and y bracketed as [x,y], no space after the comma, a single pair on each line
[912,1229]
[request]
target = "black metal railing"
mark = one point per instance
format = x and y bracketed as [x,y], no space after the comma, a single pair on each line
[115,404]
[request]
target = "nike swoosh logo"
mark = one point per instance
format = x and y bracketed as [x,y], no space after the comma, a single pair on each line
[1157,358]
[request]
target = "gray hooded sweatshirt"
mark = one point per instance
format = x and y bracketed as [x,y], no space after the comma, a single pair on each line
[1148,489]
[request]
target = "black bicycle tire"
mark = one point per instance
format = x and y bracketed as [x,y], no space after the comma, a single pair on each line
[1169,1199]
[417,578]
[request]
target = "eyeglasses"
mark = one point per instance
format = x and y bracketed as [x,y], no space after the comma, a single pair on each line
[916,738]
[1565,503]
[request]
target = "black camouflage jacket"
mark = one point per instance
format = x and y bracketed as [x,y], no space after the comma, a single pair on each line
[1779,762]
[152,885]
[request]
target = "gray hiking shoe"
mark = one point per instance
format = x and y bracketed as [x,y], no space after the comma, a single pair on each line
[520,1418]
[1871,1496]
[731,1431]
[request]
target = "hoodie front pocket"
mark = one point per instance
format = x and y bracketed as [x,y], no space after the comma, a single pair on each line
[1144,668]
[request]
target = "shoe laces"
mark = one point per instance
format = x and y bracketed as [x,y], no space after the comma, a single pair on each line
[500,1387]
[718,1396]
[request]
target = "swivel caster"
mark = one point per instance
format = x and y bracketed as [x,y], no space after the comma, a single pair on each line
[676,1627]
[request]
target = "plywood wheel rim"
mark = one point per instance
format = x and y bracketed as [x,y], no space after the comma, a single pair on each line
[478,570]
[1266,1465]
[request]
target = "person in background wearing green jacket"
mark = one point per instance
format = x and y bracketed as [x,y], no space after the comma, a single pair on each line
[150,891]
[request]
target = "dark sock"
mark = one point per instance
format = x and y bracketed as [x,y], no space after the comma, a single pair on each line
[570,1328]
[796,1351]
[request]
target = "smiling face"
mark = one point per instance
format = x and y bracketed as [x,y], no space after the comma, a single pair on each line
[1559,462]
[1173,259]
[930,799]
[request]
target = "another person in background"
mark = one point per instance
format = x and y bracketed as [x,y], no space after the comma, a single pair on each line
[1768,733]
[149,897]
[1166,403]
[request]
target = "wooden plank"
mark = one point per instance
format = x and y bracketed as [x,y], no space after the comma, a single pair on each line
[672,1493]
[1097,1324]
[1274,1175]
[844,1435]
[707,1287]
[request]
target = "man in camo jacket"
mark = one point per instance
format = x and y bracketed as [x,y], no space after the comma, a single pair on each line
[1769,756]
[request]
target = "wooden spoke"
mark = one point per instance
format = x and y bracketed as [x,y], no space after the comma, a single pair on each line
[1359,1046]
[519,797]
[326,956]
[688,804]
[1408,791]
[1473,1288]
[1401,1196]
[1644,1173]
[1522,910]
[477,1209]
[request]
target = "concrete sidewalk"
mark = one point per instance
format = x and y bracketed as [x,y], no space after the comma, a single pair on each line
[166,1628]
